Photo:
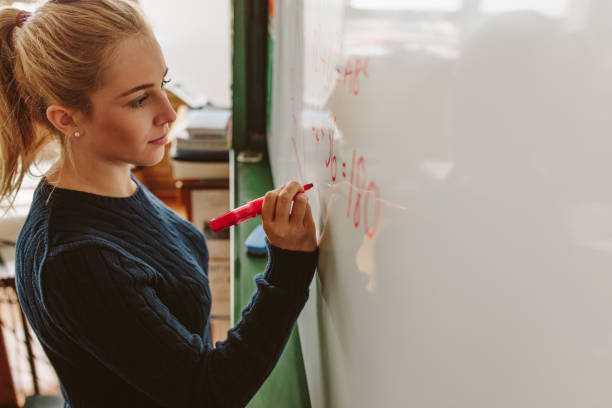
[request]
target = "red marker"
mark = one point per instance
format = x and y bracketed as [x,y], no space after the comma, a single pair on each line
[249,210]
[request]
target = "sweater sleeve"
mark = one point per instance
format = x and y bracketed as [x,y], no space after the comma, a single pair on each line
[108,304]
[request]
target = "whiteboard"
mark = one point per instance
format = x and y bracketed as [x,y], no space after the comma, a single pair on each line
[461,152]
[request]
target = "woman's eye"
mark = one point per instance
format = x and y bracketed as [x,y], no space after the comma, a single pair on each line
[138,102]
[166,81]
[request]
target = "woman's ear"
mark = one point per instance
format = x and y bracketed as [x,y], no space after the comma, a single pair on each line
[62,118]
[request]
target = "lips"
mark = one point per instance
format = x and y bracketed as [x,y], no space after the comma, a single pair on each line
[158,139]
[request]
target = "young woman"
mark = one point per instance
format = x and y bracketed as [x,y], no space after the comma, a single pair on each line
[112,281]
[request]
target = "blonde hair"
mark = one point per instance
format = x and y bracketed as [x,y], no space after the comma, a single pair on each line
[59,55]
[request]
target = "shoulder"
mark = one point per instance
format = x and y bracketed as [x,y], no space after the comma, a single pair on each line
[92,255]
[33,240]
[50,225]
[94,265]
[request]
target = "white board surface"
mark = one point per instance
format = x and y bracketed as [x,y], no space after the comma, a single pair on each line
[461,152]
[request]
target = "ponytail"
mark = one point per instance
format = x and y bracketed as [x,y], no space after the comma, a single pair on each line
[19,146]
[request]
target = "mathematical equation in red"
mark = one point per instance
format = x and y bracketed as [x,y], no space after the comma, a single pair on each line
[355,174]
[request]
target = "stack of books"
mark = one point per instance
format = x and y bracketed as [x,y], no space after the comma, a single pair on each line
[200,147]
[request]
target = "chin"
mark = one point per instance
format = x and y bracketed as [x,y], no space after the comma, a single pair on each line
[152,160]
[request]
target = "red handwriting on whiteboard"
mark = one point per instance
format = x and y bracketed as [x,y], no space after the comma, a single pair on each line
[351,75]
[360,190]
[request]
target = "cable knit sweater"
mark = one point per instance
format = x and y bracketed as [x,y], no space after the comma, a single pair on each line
[116,289]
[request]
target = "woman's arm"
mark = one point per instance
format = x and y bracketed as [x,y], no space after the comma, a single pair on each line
[106,301]
[108,306]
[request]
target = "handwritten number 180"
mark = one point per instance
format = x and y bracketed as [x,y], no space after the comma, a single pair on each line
[365,195]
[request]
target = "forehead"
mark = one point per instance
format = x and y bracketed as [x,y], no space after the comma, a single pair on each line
[137,60]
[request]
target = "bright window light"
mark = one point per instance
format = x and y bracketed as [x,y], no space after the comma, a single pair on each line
[416,5]
[549,7]
[23,5]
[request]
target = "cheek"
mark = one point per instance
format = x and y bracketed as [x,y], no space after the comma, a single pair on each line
[120,129]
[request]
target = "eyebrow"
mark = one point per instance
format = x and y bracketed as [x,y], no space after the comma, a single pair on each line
[139,87]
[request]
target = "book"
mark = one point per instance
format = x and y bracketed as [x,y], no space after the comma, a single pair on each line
[215,156]
[207,122]
[200,144]
[200,152]
[188,146]
[182,169]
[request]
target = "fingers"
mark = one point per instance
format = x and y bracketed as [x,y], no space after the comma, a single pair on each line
[268,209]
[269,205]
[288,228]
[283,202]
[299,209]
[308,220]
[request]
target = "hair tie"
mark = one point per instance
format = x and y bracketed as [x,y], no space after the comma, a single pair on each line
[22,17]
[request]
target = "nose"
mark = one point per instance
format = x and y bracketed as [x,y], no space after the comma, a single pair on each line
[166,114]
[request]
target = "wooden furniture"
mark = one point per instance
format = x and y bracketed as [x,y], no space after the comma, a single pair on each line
[8,396]
[185,188]
[204,200]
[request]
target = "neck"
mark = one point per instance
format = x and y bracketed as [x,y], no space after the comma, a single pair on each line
[110,181]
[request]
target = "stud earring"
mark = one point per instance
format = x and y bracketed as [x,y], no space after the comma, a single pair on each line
[77,134]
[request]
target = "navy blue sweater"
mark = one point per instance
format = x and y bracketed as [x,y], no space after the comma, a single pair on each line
[116,289]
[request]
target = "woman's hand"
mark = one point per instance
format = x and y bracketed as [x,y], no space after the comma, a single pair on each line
[286,228]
